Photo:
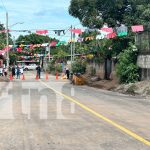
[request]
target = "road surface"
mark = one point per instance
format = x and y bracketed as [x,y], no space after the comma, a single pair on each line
[55,115]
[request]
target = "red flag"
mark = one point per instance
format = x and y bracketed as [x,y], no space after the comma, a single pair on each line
[53,44]
[110,30]
[6,49]
[4,31]
[111,35]
[137,28]
[41,31]
[76,31]
[1,52]
[19,49]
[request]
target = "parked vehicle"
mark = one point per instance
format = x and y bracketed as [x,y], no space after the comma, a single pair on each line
[30,67]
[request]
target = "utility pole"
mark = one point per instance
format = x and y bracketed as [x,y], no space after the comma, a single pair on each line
[49,50]
[14,43]
[7,40]
[74,46]
[71,46]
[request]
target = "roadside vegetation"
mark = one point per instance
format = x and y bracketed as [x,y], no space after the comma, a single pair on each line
[93,14]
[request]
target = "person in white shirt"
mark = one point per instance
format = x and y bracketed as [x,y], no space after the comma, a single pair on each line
[21,71]
[1,71]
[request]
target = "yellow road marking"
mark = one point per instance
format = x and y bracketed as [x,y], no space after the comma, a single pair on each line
[127,131]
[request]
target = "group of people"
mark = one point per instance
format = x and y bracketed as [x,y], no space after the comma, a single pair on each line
[3,71]
[17,71]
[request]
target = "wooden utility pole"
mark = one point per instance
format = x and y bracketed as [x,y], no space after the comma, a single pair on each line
[7,40]
[71,46]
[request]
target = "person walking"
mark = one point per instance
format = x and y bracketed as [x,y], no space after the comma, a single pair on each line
[18,72]
[13,71]
[67,72]
[21,70]
[38,71]
[5,72]
[1,71]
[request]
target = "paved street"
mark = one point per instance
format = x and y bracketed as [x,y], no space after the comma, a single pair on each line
[55,115]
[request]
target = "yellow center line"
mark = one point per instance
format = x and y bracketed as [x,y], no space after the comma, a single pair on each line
[127,131]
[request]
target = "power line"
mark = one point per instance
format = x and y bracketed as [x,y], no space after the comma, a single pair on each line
[49,29]
[4,5]
[60,37]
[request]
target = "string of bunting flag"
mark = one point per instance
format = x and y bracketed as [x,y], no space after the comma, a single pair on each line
[105,32]
[33,56]
[122,28]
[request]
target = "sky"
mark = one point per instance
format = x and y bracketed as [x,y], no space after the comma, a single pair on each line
[37,14]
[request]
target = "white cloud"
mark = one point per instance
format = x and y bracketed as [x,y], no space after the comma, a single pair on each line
[38,14]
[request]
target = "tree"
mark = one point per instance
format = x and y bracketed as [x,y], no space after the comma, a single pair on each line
[3,37]
[94,13]
[60,56]
[33,39]
[86,11]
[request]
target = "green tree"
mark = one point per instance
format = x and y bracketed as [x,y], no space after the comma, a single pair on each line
[94,13]
[79,66]
[60,56]
[86,11]
[3,37]
[127,69]
[33,39]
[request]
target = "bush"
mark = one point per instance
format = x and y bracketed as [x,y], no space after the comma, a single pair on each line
[58,68]
[79,67]
[53,68]
[127,69]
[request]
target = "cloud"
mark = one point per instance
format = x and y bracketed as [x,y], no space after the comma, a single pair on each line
[37,14]
[40,13]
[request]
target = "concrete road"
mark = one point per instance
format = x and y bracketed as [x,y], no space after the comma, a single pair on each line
[55,115]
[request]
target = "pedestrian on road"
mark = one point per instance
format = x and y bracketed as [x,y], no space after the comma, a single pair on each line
[38,71]
[21,70]
[67,72]
[1,71]
[18,72]
[13,71]
[5,72]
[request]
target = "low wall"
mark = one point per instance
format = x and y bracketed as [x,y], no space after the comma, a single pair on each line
[100,70]
[143,63]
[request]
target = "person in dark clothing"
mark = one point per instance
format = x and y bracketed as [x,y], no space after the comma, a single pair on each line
[67,73]
[13,71]
[5,72]
[38,71]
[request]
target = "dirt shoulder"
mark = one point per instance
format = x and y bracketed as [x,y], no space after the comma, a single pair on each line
[4,79]
[139,88]
[97,82]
